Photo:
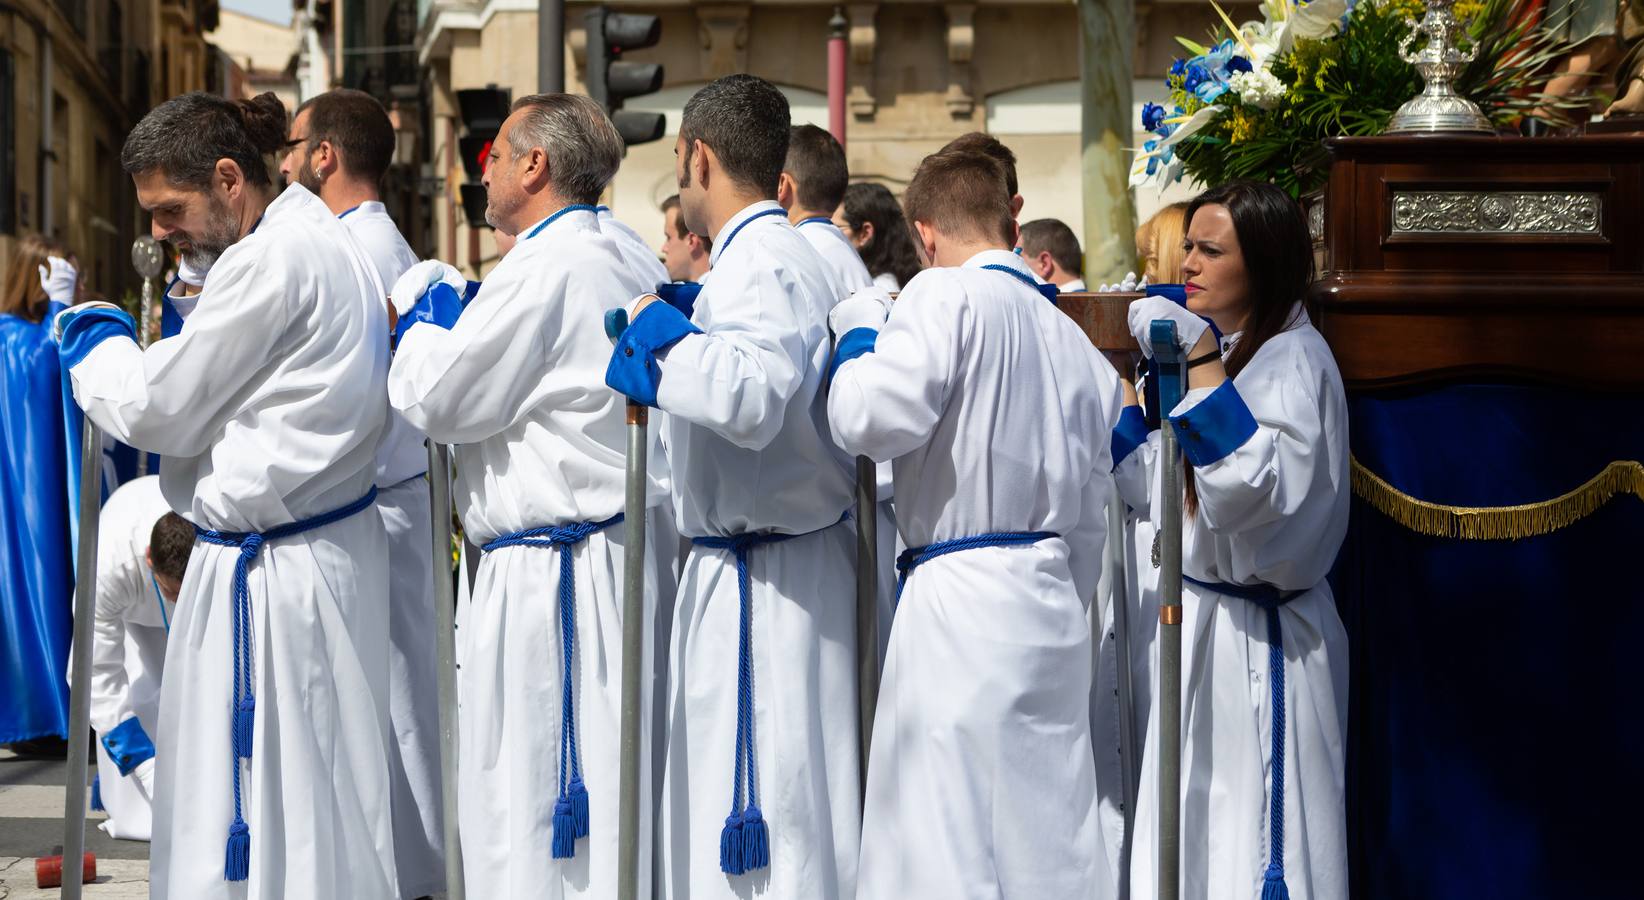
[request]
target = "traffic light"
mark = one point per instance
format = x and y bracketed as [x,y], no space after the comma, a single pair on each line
[483,111]
[611,80]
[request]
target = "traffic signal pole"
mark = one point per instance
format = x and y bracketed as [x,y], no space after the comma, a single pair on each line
[551,46]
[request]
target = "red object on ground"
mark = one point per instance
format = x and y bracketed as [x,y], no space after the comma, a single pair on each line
[48,870]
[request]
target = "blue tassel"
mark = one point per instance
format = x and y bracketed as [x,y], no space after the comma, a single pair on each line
[238,865]
[97,794]
[756,840]
[579,806]
[1273,886]
[244,712]
[730,846]
[565,830]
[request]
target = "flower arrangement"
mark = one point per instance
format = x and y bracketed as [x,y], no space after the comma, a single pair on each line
[1259,101]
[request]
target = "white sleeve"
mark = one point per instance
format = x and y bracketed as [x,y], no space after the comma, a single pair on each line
[117,590]
[886,402]
[474,381]
[175,397]
[737,377]
[1244,484]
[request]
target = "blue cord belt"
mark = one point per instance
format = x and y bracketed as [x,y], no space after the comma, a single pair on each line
[237,864]
[1269,598]
[914,557]
[744,844]
[571,807]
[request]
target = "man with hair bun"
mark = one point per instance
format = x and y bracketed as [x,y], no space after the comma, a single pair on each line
[996,411]
[142,553]
[340,147]
[517,380]
[763,661]
[272,768]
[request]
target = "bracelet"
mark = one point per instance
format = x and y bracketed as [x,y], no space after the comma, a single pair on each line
[1214,354]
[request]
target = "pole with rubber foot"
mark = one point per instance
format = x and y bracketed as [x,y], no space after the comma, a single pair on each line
[633,634]
[445,652]
[85,606]
[1170,367]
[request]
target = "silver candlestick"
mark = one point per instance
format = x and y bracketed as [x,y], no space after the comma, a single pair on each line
[146,258]
[1438,108]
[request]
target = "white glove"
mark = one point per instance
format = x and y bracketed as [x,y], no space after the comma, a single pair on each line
[1107,289]
[189,275]
[61,320]
[867,307]
[1142,285]
[418,279]
[1189,327]
[1129,284]
[57,278]
[144,773]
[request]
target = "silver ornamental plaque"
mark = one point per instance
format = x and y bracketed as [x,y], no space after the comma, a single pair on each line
[1492,212]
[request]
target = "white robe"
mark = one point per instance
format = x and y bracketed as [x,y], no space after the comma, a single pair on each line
[642,261]
[850,274]
[128,646]
[1273,511]
[518,382]
[413,686]
[750,452]
[997,411]
[266,409]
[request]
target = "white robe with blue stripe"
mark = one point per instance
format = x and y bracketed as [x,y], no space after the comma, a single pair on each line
[128,649]
[518,384]
[267,410]
[1273,510]
[750,451]
[996,411]
[413,687]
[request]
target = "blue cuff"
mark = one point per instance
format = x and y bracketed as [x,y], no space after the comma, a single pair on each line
[469,291]
[856,342]
[1176,293]
[440,305]
[681,295]
[1128,434]
[1050,292]
[1217,426]
[633,370]
[128,745]
[86,329]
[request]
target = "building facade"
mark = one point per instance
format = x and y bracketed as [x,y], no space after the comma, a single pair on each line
[75,76]
[919,74]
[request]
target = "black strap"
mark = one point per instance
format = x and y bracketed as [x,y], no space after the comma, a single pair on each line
[1214,354]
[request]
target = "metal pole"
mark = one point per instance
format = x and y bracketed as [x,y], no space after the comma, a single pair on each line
[837,29]
[633,638]
[445,652]
[1116,557]
[85,607]
[551,46]
[867,607]
[1169,365]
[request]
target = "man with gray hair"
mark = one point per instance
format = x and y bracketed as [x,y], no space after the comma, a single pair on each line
[518,381]
[271,755]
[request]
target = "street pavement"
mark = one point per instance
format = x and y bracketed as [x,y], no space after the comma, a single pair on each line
[31,825]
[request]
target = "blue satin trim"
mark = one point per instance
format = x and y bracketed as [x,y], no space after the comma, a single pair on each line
[86,329]
[128,745]
[1129,433]
[1216,426]
[855,343]
[633,370]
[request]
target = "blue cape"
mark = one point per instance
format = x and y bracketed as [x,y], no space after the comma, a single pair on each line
[36,568]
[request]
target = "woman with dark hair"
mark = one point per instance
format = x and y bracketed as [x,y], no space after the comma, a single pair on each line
[1263,427]
[872,220]
[36,568]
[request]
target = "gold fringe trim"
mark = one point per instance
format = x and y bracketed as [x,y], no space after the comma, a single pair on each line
[1499,523]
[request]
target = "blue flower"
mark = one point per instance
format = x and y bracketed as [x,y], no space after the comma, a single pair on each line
[1162,159]
[1178,67]
[1153,115]
[1238,64]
